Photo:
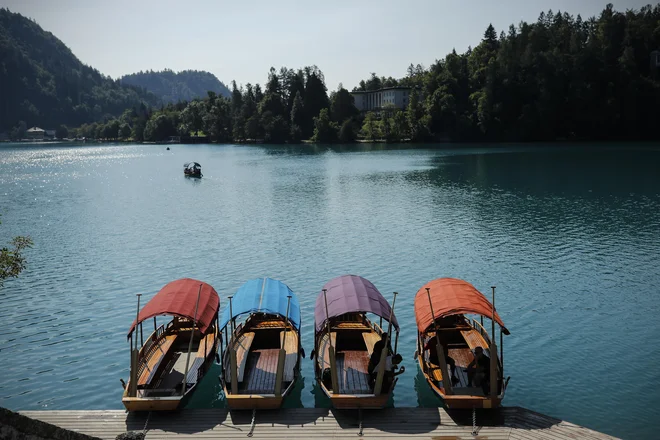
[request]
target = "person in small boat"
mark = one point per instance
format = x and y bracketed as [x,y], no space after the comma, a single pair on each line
[431,345]
[390,364]
[378,349]
[478,371]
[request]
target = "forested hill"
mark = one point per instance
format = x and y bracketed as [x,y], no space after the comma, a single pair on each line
[42,83]
[175,87]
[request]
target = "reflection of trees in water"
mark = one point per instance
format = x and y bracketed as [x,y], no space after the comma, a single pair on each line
[584,186]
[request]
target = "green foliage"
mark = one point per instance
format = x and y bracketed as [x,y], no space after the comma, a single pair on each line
[174,87]
[347,131]
[62,132]
[44,84]
[12,260]
[371,129]
[324,129]
[342,105]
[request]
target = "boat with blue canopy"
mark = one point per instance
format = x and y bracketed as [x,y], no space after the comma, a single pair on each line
[355,364]
[262,349]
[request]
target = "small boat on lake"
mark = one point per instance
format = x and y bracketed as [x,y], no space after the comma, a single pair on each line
[261,361]
[346,339]
[192,169]
[173,360]
[450,344]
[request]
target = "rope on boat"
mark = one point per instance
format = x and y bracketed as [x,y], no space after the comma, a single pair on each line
[360,422]
[254,419]
[474,421]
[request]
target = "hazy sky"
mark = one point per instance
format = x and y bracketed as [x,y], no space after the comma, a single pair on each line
[242,39]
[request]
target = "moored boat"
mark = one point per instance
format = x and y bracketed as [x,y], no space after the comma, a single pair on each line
[457,357]
[346,339]
[192,169]
[172,361]
[261,355]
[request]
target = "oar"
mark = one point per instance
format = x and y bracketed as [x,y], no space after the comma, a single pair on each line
[446,380]
[132,390]
[279,377]
[331,350]
[233,366]
[383,354]
[192,334]
[493,353]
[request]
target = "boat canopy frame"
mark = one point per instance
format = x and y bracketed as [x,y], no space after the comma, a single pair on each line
[451,296]
[262,295]
[350,294]
[179,298]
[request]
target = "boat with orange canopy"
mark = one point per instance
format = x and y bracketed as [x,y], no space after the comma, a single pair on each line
[458,358]
[172,361]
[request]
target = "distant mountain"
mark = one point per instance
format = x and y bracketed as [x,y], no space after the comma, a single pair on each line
[174,87]
[42,83]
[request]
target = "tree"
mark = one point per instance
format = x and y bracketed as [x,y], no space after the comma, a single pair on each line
[342,105]
[124,131]
[12,260]
[370,127]
[324,129]
[18,132]
[193,115]
[297,118]
[62,132]
[315,98]
[347,131]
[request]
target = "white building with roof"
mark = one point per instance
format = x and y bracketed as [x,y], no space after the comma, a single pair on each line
[397,97]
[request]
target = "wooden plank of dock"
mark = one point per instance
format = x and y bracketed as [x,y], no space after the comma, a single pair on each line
[424,423]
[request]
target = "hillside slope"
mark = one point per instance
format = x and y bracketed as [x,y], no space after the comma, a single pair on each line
[43,83]
[174,87]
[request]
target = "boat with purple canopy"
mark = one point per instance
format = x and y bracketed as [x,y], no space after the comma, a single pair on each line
[350,364]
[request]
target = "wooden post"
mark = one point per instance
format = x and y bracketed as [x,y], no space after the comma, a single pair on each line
[233,367]
[155,328]
[231,316]
[380,375]
[493,354]
[331,351]
[446,380]
[279,376]
[192,334]
[132,390]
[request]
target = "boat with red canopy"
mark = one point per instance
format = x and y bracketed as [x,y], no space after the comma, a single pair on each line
[350,362]
[169,364]
[453,346]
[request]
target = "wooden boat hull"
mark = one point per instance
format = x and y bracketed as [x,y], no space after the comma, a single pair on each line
[171,402]
[355,389]
[257,368]
[462,396]
[254,401]
[456,401]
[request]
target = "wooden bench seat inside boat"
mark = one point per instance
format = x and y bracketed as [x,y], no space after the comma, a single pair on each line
[158,352]
[242,350]
[261,371]
[370,339]
[291,348]
[352,372]
[191,378]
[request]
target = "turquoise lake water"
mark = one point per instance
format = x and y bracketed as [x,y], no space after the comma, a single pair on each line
[569,235]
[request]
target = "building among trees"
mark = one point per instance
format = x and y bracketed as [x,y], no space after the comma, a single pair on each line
[374,100]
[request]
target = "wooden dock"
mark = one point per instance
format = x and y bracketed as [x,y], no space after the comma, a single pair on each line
[425,423]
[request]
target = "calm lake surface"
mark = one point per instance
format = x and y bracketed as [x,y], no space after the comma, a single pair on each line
[569,235]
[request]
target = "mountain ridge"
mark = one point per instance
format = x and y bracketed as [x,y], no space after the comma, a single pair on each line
[173,87]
